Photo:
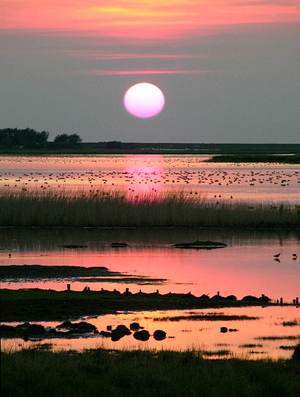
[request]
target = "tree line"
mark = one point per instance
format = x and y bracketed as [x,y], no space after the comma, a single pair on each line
[28,138]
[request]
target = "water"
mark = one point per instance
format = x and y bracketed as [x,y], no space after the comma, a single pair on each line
[136,175]
[246,266]
[186,334]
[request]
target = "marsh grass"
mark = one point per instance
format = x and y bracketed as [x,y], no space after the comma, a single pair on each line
[143,374]
[115,210]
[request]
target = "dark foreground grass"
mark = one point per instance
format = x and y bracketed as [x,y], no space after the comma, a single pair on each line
[143,374]
[100,209]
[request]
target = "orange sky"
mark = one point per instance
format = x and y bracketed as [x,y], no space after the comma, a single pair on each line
[143,18]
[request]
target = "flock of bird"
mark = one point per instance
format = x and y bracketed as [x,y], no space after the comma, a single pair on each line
[151,177]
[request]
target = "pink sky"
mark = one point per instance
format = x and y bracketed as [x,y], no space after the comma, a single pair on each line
[144,18]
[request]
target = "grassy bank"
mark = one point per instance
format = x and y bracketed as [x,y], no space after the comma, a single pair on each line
[143,374]
[256,158]
[50,209]
[38,304]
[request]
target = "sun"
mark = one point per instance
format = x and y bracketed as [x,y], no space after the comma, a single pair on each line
[144,100]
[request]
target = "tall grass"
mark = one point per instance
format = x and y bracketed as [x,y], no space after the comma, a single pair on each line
[114,209]
[143,374]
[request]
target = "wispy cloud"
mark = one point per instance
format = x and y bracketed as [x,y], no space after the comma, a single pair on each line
[142,72]
[144,19]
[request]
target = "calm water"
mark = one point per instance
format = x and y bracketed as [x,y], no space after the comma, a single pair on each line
[245,267]
[186,334]
[136,175]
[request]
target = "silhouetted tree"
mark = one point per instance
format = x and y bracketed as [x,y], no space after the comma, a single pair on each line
[27,138]
[65,140]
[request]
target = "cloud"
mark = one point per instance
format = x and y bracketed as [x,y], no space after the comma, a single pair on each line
[144,19]
[143,72]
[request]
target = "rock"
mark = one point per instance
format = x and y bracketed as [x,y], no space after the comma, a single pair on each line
[296,354]
[223,330]
[122,329]
[264,299]
[73,246]
[134,326]
[115,336]
[119,332]
[204,297]
[217,298]
[7,331]
[201,245]
[105,334]
[35,329]
[65,325]
[159,334]
[84,327]
[250,299]
[77,328]
[119,245]
[231,298]
[23,325]
[141,335]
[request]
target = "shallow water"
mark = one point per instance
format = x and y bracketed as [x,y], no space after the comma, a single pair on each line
[245,266]
[138,175]
[187,334]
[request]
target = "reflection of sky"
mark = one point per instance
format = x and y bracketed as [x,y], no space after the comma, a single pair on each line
[153,175]
[200,335]
[145,178]
[240,269]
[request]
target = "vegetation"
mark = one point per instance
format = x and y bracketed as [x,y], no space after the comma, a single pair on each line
[257,158]
[30,142]
[25,138]
[71,274]
[113,209]
[19,139]
[38,304]
[31,373]
[64,140]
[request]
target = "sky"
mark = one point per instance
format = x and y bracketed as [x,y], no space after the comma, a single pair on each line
[229,69]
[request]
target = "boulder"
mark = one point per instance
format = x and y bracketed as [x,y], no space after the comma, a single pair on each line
[159,334]
[122,329]
[105,334]
[7,331]
[296,354]
[135,326]
[65,325]
[201,245]
[142,335]
[119,245]
[77,328]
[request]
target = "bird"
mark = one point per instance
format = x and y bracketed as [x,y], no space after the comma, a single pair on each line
[276,255]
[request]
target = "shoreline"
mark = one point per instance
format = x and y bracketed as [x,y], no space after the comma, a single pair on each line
[42,305]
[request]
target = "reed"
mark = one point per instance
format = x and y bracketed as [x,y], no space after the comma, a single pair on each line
[113,209]
[143,374]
